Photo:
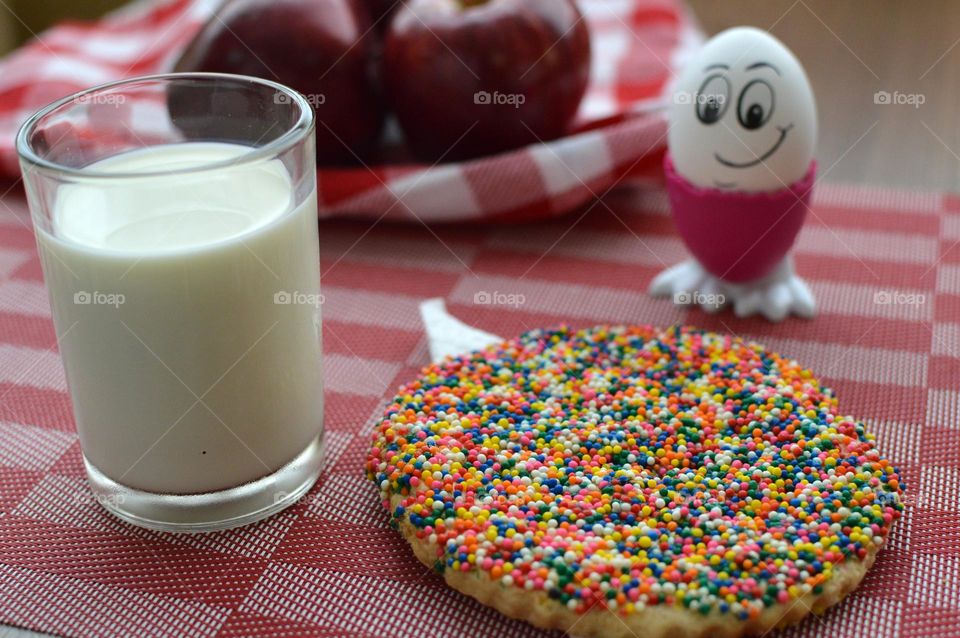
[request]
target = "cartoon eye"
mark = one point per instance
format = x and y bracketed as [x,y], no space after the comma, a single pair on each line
[755,105]
[711,99]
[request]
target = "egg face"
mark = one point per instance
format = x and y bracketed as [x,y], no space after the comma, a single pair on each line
[743,117]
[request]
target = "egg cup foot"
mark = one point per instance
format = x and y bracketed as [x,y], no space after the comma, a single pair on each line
[777,295]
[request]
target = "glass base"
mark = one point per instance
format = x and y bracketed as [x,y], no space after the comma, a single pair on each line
[216,510]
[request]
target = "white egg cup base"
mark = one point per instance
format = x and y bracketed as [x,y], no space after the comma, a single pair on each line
[776,296]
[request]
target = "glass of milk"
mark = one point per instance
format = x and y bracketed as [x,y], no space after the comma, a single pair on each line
[176,219]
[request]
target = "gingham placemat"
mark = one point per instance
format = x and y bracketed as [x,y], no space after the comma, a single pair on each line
[636,45]
[885,266]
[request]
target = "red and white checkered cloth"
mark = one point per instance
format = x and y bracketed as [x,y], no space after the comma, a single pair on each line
[885,266]
[636,43]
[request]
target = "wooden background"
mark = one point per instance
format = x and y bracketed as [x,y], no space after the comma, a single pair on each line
[851,49]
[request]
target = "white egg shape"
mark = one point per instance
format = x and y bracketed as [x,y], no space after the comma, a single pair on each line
[743,115]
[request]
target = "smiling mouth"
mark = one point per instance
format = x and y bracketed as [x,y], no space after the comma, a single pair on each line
[783,135]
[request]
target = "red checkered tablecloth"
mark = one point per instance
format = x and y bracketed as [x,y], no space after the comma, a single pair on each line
[885,266]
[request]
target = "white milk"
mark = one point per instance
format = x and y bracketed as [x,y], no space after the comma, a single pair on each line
[169,290]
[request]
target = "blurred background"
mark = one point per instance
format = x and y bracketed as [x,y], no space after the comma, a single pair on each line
[20,19]
[854,52]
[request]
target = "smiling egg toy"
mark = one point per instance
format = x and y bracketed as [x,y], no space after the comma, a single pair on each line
[740,172]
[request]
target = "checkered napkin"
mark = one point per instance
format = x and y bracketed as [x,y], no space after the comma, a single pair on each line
[635,44]
[885,266]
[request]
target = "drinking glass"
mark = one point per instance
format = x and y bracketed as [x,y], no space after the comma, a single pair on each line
[176,220]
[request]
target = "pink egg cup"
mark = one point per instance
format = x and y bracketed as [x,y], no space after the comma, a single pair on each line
[740,243]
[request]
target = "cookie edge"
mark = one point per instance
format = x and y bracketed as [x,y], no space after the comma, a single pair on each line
[656,621]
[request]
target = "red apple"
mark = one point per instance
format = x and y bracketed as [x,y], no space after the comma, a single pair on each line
[493,74]
[322,48]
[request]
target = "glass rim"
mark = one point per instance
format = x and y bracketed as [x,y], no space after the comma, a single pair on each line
[292,136]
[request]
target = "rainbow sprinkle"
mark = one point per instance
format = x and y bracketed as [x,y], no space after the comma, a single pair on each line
[626,466]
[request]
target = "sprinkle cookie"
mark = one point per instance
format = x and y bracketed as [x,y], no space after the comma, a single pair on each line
[622,481]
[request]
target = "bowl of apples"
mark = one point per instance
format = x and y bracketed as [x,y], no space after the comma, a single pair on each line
[447,110]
